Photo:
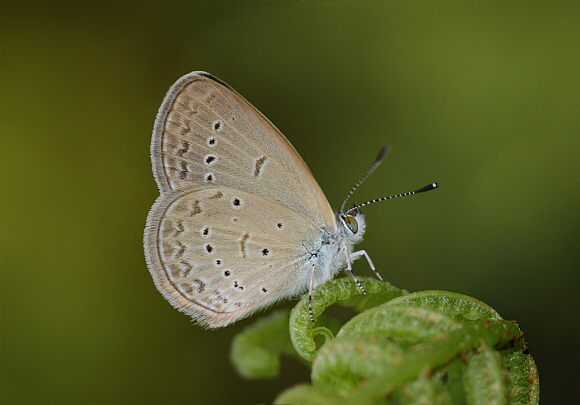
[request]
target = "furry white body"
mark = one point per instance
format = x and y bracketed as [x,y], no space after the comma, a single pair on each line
[333,251]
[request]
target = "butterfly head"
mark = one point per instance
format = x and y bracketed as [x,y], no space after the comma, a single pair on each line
[352,224]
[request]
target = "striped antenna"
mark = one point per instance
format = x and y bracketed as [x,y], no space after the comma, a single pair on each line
[428,187]
[378,160]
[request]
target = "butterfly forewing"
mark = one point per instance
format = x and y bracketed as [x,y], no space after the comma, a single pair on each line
[239,209]
[206,134]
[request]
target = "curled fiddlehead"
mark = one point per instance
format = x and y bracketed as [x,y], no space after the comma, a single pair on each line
[430,347]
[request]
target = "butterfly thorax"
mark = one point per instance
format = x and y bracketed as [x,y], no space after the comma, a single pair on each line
[328,254]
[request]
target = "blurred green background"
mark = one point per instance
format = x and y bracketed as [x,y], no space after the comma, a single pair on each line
[481,97]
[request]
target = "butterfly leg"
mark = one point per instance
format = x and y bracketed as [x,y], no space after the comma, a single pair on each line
[360,253]
[349,269]
[310,295]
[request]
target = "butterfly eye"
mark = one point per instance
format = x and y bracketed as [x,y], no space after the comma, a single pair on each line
[351,223]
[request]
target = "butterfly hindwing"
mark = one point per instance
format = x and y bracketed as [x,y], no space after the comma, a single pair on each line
[219,254]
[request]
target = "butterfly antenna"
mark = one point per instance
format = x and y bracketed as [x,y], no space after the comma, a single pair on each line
[428,187]
[376,163]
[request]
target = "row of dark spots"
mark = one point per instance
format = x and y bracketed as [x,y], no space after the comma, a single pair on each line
[209,248]
[241,288]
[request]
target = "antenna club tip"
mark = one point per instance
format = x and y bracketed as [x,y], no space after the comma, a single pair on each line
[382,153]
[428,187]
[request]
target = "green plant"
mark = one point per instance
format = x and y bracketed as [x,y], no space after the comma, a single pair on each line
[430,347]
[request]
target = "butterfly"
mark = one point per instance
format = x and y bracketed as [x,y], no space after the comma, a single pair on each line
[240,222]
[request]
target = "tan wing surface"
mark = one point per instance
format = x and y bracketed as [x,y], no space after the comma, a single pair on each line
[207,135]
[219,254]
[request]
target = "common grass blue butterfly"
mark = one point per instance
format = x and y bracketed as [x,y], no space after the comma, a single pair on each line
[241,223]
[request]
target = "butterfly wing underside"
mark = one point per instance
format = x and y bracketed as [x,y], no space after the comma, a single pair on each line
[237,204]
[207,134]
[218,261]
